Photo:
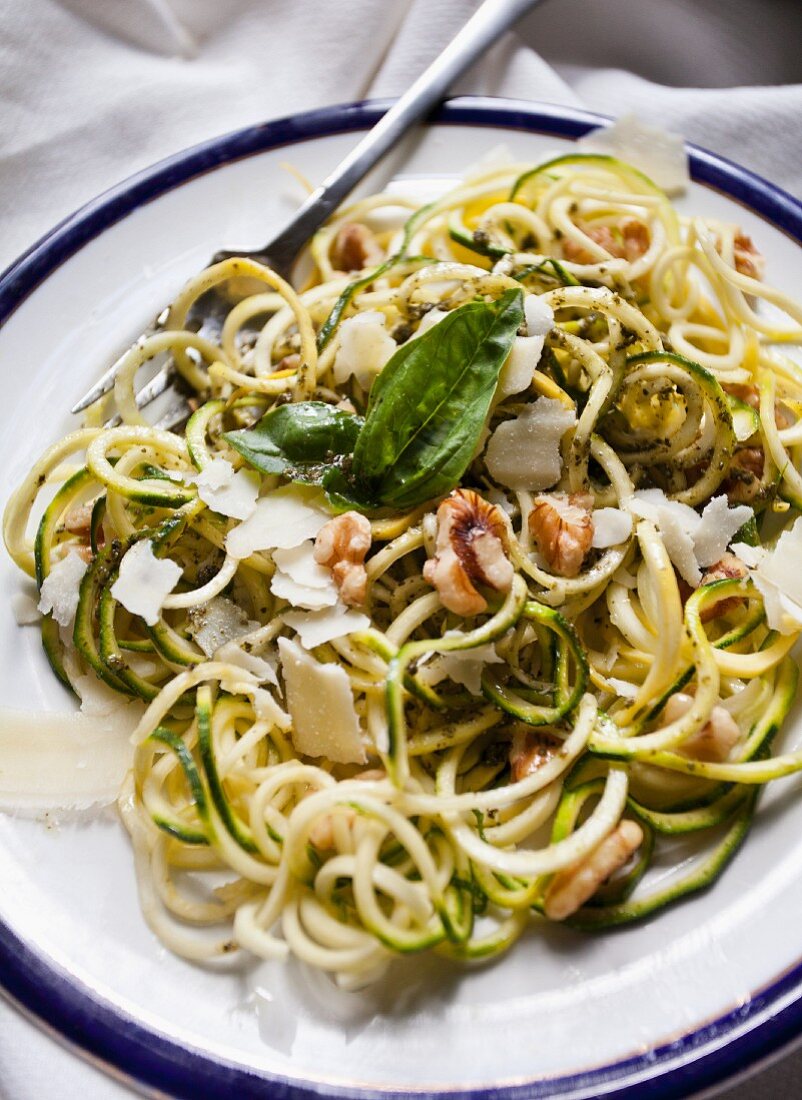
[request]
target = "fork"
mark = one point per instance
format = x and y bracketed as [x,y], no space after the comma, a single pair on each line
[487,24]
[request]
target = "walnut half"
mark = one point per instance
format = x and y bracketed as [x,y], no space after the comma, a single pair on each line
[355,247]
[342,545]
[562,527]
[471,549]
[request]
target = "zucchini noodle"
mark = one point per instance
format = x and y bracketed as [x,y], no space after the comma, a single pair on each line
[530,716]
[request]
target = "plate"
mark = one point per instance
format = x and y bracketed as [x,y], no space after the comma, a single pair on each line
[669,1006]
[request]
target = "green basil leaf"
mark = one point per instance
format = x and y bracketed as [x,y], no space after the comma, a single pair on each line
[429,404]
[292,437]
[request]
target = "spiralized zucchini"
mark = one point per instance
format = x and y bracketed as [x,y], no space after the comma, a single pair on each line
[612,708]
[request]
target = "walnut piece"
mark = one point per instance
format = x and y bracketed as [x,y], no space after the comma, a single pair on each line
[750,396]
[355,247]
[570,889]
[728,568]
[342,545]
[744,481]
[562,527]
[629,244]
[470,550]
[321,835]
[714,741]
[530,750]
[748,260]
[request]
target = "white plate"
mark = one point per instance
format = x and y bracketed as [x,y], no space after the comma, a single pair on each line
[670,1005]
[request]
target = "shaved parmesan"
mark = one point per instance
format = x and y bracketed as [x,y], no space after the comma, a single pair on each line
[282,519]
[611,526]
[658,153]
[719,525]
[539,316]
[60,588]
[24,609]
[217,622]
[64,762]
[321,705]
[145,581]
[229,492]
[524,453]
[428,321]
[623,688]
[778,577]
[301,580]
[692,541]
[522,362]
[365,346]
[314,628]
[97,698]
[261,669]
[464,667]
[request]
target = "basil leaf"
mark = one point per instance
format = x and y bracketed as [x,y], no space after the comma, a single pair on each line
[429,404]
[291,437]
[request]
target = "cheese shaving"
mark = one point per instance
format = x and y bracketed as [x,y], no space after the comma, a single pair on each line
[61,587]
[777,576]
[226,491]
[145,581]
[282,519]
[611,526]
[524,453]
[321,705]
[64,762]
[300,580]
[693,541]
[658,153]
[261,669]
[365,346]
[24,609]
[464,667]
[314,628]
[217,622]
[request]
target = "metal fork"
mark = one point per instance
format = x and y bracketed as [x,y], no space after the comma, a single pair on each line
[487,24]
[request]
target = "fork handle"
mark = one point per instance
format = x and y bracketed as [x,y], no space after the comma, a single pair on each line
[489,21]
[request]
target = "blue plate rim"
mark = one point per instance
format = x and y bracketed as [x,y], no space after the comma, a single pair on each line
[111,1038]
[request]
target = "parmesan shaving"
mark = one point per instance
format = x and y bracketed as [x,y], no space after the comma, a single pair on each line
[428,321]
[777,576]
[321,705]
[656,152]
[60,588]
[365,346]
[314,628]
[226,491]
[24,609]
[97,698]
[261,669]
[539,316]
[692,541]
[522,362]
[282,519]
[64,762]
[524,453]
[218,622]
[611,526]
[623,688]
[145,581]
[300,580]
[464,667]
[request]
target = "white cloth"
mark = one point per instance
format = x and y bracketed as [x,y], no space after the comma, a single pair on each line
[93,90]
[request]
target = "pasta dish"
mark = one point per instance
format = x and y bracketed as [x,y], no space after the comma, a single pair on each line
[465,596]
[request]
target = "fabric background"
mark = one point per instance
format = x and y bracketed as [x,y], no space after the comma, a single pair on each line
[93,90]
